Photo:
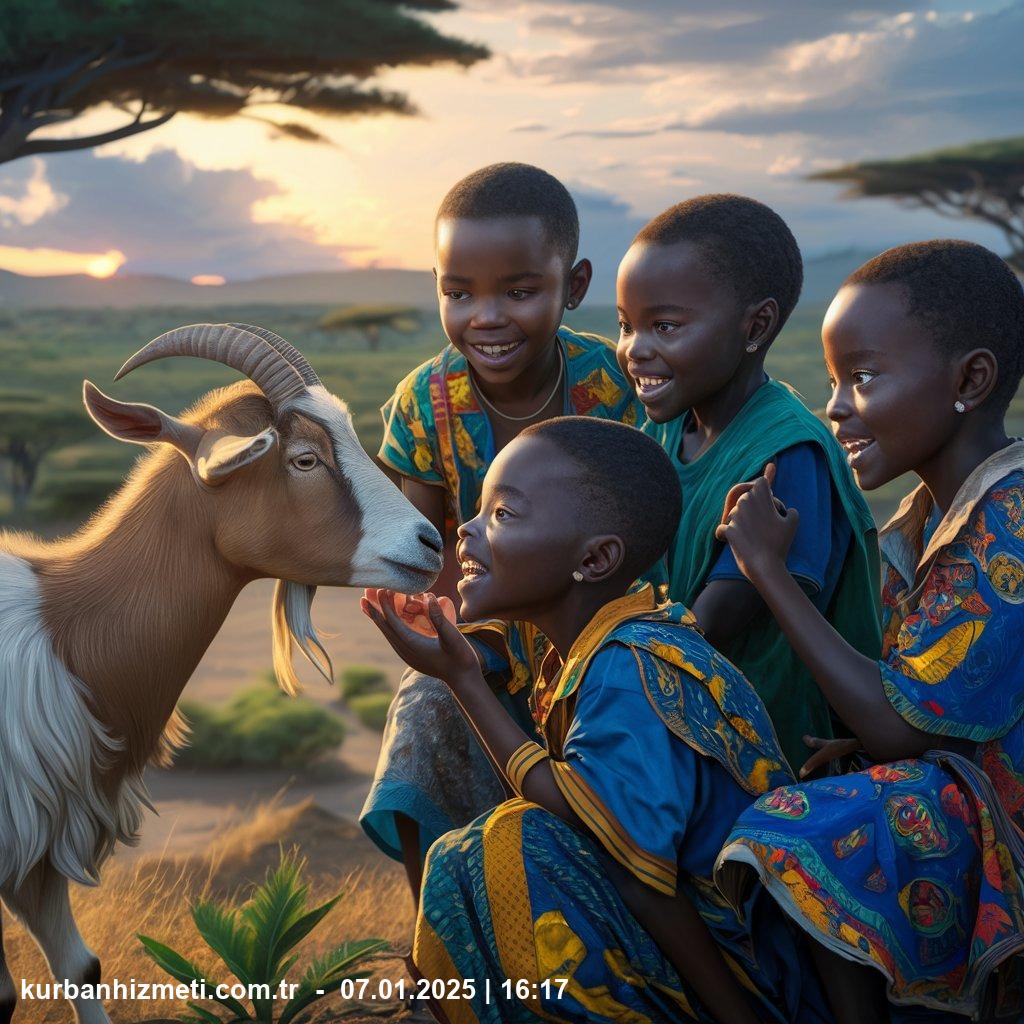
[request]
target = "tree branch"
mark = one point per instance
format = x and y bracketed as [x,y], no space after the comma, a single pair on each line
[38,146]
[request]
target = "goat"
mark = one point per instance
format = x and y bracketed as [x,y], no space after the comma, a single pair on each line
[101,630]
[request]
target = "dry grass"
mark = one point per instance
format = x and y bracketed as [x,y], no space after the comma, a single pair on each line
[152,896]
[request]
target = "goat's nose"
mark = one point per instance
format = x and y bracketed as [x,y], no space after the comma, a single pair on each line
[430,538]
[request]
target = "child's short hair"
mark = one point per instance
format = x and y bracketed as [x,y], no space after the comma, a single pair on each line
[628,484]
[742,240]
[517,190]
[964,295]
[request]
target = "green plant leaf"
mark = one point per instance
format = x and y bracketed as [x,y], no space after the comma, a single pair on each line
[327,971]
[186,972]
[272,911]
[227,936]
[301,928]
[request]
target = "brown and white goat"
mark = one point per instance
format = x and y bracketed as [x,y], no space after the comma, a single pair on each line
[101,630]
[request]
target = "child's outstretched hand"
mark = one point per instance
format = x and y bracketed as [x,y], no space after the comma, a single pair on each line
[757,526]
[421,629]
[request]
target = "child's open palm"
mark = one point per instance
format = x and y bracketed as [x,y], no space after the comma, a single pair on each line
[421,629]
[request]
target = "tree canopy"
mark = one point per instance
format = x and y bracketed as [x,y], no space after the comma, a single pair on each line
[216,58]
[370,320]
[984,181]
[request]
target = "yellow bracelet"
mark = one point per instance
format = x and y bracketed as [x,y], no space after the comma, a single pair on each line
[521,761]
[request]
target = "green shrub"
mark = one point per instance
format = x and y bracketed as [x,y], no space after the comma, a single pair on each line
[259,728]
[371,709]
[256,943]
[357,680]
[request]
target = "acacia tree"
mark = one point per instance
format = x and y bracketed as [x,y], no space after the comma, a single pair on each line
[370,320]
[984,181]
[217,58]
[32,426]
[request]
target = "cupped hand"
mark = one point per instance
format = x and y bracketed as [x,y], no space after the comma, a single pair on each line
[757,526]
[827,750]
[422,631]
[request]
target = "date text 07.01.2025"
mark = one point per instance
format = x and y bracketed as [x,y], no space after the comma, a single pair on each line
[386,989]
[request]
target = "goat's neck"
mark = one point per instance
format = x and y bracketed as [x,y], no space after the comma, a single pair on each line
[133,601]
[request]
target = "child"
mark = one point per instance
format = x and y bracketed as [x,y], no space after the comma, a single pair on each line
[654,742]
[702,293]
[913,867]
[506,269]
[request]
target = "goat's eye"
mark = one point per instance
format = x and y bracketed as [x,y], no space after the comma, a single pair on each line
[306,461]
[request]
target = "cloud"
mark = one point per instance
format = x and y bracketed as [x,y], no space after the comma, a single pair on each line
[36,201]
[611,40]
[963,77]
[166,215]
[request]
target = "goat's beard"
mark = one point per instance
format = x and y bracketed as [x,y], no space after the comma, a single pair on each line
[293,627]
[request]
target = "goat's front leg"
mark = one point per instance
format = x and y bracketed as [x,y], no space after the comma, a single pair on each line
[8,992]
[42,905]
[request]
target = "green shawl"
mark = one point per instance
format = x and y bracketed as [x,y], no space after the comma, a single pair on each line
[772,420]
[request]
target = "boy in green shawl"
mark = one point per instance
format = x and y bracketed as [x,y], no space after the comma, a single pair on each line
[702,293]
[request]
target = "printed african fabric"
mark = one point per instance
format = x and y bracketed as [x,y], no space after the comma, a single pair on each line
[436,431]
[657,743]
[915,867]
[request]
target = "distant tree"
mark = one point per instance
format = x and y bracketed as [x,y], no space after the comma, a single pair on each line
[216,58]
[370,320]
[30,428]
[984,181]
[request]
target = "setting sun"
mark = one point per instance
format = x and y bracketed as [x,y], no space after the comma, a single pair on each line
[208,280]
[106,265]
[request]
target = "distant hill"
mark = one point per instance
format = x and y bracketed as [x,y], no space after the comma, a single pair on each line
[409,287]
[822,276]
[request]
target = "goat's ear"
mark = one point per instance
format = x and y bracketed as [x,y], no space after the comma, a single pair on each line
[139,423]
[221,454]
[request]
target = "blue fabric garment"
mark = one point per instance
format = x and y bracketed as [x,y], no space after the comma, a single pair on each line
[675,803]
[816,557]
[916,867]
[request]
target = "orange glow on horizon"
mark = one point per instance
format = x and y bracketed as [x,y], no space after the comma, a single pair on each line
[209,280]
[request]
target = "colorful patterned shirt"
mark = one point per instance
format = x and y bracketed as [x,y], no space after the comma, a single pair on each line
[436,431]
[953,618]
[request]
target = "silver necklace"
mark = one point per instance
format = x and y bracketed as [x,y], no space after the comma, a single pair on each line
[539,409]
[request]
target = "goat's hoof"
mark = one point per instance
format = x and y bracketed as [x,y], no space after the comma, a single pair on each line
[91,974]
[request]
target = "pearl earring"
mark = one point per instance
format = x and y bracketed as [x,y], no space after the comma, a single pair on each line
[959,406]
[752,347]
[577,575]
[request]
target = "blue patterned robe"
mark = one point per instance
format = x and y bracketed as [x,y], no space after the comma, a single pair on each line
[915,867]
[657,743]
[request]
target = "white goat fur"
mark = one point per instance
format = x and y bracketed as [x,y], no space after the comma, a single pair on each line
[51,751]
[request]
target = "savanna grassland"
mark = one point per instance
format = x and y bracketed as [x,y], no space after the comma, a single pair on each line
[45,354]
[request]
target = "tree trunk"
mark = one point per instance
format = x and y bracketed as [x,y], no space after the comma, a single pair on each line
[24,468]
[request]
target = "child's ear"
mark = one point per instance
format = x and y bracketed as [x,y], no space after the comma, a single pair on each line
[979,374]
[579,281]
[603,558]
[762,323]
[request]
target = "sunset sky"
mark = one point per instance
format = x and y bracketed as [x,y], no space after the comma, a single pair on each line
[634,106]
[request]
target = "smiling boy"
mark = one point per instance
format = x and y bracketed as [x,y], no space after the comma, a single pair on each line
[506,266]
[703,292]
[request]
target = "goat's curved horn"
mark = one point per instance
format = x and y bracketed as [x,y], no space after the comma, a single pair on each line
[237,347]
[289,351]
